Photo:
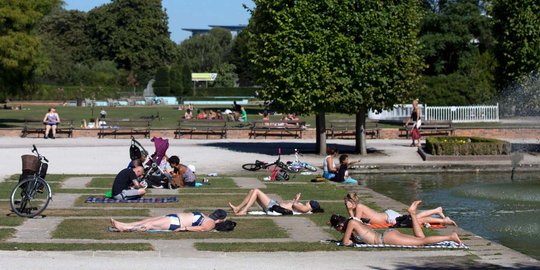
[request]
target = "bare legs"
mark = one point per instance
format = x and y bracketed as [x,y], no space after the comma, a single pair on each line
[426,217]
[397,238]
[154,223]
[254,195]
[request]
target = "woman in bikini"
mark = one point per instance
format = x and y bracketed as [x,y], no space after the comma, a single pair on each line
[357,232]
[361,211]
[192,222]
[256,195]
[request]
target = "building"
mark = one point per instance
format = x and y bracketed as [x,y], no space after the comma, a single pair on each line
[234,29]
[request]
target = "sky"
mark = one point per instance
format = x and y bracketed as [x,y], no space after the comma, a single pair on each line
[188,13]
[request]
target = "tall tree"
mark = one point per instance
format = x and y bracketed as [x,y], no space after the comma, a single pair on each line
[240,59]
[134,34]
[205,53]
[457,47]
[517,30]
[20,57]
[335,56]
[65,43]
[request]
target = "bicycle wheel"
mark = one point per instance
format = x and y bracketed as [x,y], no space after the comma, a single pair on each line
[310,167]
[284,167]
[251,167]
[30,197]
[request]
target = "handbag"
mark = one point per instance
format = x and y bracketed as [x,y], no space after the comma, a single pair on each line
[415,133]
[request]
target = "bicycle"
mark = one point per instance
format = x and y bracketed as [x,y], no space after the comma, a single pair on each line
[265,165]
[32,194]
[298,166]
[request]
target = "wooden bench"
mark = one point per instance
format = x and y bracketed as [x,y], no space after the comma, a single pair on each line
[37,126]
[430,128]
[346,128]
[201,127]
[125,127]
[277,128]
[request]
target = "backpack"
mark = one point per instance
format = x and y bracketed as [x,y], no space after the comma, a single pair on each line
[282,176]
[134,152]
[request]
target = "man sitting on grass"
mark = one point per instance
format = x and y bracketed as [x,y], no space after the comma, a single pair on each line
[126,185]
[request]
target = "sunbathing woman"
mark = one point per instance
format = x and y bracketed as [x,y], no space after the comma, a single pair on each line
[256,195]
[357,232]
[360,211]
[193,222]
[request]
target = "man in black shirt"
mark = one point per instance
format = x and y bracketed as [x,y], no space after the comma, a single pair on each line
[126,186]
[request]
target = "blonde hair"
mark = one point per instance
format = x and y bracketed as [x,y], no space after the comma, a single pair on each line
[352,197]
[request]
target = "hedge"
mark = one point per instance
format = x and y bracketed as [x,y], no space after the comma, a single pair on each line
[465,146]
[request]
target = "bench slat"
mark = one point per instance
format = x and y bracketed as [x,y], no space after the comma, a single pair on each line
[201,127]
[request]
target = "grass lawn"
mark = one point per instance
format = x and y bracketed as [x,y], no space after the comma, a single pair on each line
[97,229]
[90,221]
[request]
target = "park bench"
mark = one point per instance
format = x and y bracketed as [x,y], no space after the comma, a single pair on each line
[208,127]
[36,126]
[346,128]
[293,128]
[129,127]
[430,128]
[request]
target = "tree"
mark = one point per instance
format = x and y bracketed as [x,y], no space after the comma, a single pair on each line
[226,76]
[65,43]
[134,34]
[20,56]
[335,56]
[516,28]
[162,85]
[457,48]
[240,59]
[205,53]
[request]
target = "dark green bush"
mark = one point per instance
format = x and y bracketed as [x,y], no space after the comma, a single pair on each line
[466,146]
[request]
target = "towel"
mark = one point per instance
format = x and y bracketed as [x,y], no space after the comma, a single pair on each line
[388,225]
[272,213]
[440,245]
[93,199]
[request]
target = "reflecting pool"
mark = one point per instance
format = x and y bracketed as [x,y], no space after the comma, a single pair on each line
[488,204]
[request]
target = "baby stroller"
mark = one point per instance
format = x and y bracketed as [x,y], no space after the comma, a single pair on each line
[155,174]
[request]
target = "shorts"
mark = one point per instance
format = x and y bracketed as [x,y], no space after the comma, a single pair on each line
[270,205]
[329,175]
[189,184]
[128,194]
[174,222]
[392,215]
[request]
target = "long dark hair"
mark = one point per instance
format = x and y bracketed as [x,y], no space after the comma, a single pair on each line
[338,220]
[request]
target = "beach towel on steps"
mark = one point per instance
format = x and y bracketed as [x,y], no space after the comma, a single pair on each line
[272,213]
[93,199]
[388,225]
[440,245]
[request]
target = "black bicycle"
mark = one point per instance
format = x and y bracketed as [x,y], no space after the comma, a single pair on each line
[264,165]
[32,194]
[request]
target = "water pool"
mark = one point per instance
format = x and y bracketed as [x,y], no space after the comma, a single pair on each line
[488,204]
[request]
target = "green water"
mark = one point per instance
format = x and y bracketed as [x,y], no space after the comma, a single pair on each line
[487,204]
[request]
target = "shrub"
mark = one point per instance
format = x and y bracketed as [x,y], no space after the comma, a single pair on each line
[465,146]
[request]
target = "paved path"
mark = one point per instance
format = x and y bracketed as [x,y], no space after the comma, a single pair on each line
[108,156]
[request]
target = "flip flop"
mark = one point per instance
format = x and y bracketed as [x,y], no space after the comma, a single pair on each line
[112,229]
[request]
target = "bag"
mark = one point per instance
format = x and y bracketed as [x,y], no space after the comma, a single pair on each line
[415,133]
[30,164]
[226,226]
[281,210]
[404,221]
[134,152]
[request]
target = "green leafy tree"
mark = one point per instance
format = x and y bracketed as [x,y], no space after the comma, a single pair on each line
[20,56]
[517,30]
[205,53]
[65,43]
[226,76]
[134,34]
[240,59]
[457,48]
[335,56]
[180,80]
[162,86]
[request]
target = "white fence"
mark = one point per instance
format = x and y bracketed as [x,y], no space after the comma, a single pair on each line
[457,114]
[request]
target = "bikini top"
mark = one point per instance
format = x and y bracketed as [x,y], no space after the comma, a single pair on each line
[198,219]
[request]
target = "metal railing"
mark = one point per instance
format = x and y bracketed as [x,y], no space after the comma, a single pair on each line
[457,114]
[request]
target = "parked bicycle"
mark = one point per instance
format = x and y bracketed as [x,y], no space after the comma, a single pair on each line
[265,165]
[32,194]
[298,166]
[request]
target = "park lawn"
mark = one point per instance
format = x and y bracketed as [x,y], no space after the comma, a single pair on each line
[68,212]
[168,115]
[6,233]
[253,228]
[75,246]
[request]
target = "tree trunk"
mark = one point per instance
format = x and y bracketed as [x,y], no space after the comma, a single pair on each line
[360,137]
[320,133]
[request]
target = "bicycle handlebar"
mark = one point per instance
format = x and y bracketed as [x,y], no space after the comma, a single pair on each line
[34,150]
